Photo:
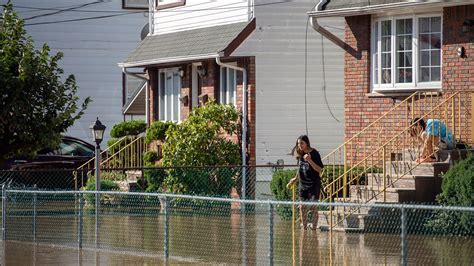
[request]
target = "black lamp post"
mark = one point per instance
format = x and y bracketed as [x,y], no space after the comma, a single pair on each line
[98,134]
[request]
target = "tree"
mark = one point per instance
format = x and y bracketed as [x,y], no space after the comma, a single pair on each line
[36,105]
[203,139]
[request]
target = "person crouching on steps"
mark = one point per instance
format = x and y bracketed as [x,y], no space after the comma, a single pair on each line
[433,135]
[310,168]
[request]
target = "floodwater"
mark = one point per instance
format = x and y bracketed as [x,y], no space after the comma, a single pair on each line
[206,239]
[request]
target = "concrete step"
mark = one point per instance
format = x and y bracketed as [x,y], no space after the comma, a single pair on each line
[394,180]
[411,168]
[353,222]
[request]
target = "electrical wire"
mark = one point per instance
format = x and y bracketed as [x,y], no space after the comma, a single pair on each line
[222,7]
[324,81]
[62,10]
[306,75]
[135,12]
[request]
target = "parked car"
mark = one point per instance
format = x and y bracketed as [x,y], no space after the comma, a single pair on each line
[52,168]
[71,153]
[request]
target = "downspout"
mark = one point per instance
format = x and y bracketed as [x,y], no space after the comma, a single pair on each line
[333,38]
[147,111]
[244,122]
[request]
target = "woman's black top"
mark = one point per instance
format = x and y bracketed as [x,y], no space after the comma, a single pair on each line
[309,177]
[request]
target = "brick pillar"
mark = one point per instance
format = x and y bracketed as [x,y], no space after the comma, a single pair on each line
[458,72]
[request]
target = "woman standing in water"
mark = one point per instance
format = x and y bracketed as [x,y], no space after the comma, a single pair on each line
[310,168]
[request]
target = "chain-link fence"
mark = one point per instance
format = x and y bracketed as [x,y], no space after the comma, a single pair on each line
[194,229]
[219,181]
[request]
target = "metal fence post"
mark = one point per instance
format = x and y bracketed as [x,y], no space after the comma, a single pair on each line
[34,213]
[81,220]
[167,229]
[270,222]
[97,212]
[403,245]
[4,213]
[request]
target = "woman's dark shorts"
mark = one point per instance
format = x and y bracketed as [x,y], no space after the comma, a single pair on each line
[310,194]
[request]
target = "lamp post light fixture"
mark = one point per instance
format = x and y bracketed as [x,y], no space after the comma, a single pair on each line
[98,134]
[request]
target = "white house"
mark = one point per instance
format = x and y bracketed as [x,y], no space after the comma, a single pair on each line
[196,49]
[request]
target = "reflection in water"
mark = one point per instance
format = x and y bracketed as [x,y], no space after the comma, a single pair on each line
[205,239]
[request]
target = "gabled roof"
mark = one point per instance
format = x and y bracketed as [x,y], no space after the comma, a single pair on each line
[188,45]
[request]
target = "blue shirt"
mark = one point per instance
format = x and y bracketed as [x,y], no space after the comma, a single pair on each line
[436,128]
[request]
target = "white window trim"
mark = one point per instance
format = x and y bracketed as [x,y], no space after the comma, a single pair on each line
[163,116]
[415,84]
[221,90]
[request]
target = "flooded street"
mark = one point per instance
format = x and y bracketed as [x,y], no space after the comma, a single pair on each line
[205,239]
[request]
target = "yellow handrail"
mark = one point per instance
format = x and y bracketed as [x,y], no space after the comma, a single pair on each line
[102,153]
[135,151]
[396,142]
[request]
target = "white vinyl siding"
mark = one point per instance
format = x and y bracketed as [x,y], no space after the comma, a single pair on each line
[200,14]
[228,86]
[406,52]
[169,86]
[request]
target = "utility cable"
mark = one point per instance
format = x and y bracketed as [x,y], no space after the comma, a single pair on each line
[62,10]
[306,75]
[135,12]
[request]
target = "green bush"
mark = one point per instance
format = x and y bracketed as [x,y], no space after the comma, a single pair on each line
[201,140]
[105,185]
[279,190]
[157,131]
[128,128]
[457,190]
[154,179]
[150,157]
[358,175]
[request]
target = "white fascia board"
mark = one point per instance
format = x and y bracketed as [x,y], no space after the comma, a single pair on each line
[345,12]
[167,60]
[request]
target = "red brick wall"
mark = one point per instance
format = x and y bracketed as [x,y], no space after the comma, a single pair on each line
[359,109]
[210,86]
[458,73]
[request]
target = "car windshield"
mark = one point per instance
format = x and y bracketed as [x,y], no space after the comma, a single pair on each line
[69,147]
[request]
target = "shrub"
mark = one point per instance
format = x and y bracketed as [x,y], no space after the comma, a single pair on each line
[357,176]
[150,157]
[157,131]
[105,185]
[279,190]
[128,128]
[201,140]
[457,190]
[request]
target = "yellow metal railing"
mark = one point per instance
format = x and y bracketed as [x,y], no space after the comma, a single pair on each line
[126,152]
[384,152]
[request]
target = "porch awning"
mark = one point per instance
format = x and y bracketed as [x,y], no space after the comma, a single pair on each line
[135,105]
[189,45]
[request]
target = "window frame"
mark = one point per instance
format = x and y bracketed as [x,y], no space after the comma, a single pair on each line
[128,6]
[172,4]
[162,95]
[221,88]
[375,57]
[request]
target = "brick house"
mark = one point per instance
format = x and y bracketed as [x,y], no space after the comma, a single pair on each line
[196,49]
[394,48]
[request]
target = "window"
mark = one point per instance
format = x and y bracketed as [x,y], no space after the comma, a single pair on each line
[135,4]
[169,86]
[163,4]
[228,86]
[406,52]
